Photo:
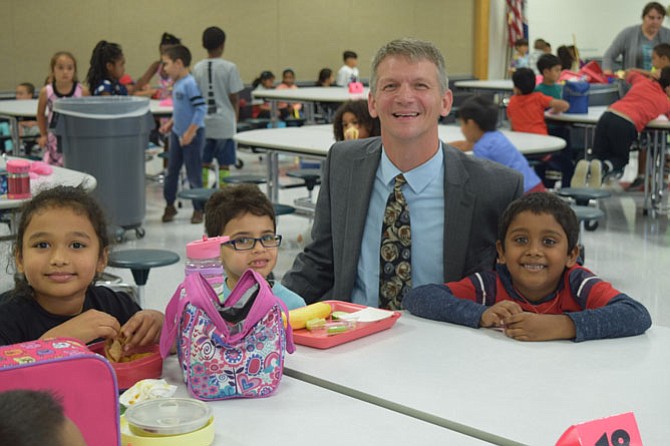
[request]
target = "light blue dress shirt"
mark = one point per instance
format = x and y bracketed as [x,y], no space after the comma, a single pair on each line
[424,193]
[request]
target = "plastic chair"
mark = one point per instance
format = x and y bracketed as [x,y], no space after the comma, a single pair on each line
[582,197]
[240,179]
[140,262]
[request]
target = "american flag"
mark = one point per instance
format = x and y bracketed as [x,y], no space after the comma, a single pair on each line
[516,27]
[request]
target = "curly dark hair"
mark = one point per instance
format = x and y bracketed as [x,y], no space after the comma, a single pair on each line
[542,203]
[103,53]
[359,109]
[59,197]
[232,202]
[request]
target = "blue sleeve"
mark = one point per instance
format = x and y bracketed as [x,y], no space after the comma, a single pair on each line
[622,316]
[198,104]
[291,299]
[436,302]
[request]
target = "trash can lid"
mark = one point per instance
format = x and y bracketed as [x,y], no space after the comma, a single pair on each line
[103,107]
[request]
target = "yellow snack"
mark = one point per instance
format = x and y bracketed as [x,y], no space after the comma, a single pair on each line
[114,350]
[298,318]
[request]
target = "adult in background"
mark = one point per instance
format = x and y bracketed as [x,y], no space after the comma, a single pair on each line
[635,43]
[454,200]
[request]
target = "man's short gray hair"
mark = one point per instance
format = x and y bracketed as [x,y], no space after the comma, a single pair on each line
[414,50]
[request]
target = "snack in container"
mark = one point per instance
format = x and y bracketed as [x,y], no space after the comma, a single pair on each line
[166,417]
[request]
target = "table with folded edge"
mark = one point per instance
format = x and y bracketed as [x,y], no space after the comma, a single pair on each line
[299,413]
[479,382]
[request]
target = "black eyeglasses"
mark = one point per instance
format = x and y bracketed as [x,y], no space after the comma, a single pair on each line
[248,243]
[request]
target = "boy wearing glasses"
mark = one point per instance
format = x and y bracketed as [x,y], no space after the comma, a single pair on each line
[245,214]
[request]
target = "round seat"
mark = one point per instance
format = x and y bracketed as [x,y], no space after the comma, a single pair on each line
[282,209]
[582,195]
[245,179]
[198,193]
[140,262]
[587,213]
[311,177]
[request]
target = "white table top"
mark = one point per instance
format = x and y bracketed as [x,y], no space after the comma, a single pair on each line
[302,413]
[28,108]
[311,94]
[529,393]
[316,140]
[493,84]
[594,113]
[60,175]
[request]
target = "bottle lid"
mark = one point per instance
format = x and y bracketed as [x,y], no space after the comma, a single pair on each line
[167,416]
[207,248]
[18,166]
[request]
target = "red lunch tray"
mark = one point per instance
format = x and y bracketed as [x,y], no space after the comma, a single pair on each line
[323,340]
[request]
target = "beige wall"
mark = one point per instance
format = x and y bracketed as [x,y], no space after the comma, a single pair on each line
[305,35]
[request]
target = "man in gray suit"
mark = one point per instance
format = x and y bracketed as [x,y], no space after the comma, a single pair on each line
[455,200]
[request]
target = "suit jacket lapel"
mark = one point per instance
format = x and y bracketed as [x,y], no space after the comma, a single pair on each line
[459,202]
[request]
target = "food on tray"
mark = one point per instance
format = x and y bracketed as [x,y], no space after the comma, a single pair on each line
[298,318]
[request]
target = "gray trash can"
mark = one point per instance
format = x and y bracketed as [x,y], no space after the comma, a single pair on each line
[107,137]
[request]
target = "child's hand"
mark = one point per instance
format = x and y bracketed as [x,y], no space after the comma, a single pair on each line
[42,141]
[539,327]
[496,314]
[186,138]
[86,327]
[144,328]
[166,127]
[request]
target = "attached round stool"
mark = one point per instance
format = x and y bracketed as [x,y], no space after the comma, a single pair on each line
[140,262]
[585,214]
[582,196]
[245,179]
[197,194]
[282,209]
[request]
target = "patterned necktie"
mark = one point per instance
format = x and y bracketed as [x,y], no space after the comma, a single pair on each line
[395,270]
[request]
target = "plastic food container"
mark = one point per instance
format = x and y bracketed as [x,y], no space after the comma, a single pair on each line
[201,437]
[128,373]
[167,416]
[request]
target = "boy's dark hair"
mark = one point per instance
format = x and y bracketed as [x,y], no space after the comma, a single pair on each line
[234,201]
[31,418]
[542,203]
[359,109]
[524,80]
[58,197]
[30,87]
[103,53]
[520,42]
[213,38]
[324,75]
[653,5]
[547,62]
[349,55]
[565,56]
[664,78]
[288,71]
[169,39]
[662,50]
[265,75]
[178,52]
[480,109]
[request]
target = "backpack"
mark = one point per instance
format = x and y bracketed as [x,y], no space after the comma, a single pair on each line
[230,351]
[84,380]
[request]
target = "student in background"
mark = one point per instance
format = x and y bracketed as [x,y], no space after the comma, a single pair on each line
[349,71]
[186,129]
[619,126]
[526,107]
[538,291]
[62,243]
[540,48]
[35,417]
[64,84]
[520,58]
[265,81]
[108,65]
[245,214]
[325,78]
[25,90]
[353,121]
[288,110]
[478,117]
[549,66]
[156,69]
[220,84]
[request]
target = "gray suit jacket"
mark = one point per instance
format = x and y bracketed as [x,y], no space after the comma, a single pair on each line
[476,193]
